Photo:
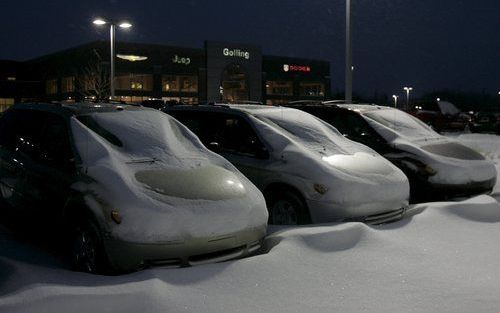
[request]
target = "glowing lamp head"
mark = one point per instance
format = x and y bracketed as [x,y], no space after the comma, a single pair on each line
[99,22]
[125,25]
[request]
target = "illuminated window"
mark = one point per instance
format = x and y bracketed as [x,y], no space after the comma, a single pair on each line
[189,83]
[134,82]
[51,86]
[183,83]
[279,88]
[183,100]
[313,89]
[133,99]
[68,84]
[5,103]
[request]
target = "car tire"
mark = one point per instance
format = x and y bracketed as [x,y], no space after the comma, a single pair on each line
[87,250]
[287,208]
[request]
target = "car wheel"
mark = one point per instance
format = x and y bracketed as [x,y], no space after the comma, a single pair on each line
[286,208]
[87,250]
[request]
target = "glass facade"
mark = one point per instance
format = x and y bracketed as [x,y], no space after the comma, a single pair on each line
[133,99]
[312,89]
[51,86]
[134,82]
[179,83]
[279,88]
[68,84]
[184,100]
[5,103]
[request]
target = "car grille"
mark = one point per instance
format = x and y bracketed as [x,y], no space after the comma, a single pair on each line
[379,219]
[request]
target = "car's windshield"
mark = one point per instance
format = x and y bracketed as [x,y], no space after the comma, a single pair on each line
[402,123]
[142,133]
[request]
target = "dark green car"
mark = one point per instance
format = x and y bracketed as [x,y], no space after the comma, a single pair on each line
[129,186]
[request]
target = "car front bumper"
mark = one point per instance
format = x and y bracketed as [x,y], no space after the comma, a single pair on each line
[128,256]
[445,191]
[371,213]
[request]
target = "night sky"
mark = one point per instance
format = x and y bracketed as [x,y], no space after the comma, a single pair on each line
[428,44]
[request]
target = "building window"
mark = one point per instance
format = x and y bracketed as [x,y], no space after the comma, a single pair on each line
[180,83]
[5,103]
[51,86]
[134,82]
[276,102]
[313,89]
[279,88]
[133,99]
[183,100]
[68,84]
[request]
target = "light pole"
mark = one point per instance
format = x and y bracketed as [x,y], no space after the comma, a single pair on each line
[112,31]
[408,90]
[395,100]
[348,54]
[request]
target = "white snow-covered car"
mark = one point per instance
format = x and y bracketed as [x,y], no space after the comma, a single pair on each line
[306,169]
[438,167]
[133,186]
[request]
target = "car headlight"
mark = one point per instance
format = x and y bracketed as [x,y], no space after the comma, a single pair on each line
[429,170]
[321,189]
[115,216]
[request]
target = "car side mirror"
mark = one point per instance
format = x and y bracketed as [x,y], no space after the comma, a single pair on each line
[214,146]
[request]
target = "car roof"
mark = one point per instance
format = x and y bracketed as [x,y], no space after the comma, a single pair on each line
[363,108]
[251,109]
[73,109]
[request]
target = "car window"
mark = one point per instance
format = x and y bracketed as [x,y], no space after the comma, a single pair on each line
[8,124]
[21,131]
[91,123]
[402,123]
[239,137]
[55,147]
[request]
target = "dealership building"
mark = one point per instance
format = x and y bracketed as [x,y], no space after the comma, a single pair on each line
[220,72]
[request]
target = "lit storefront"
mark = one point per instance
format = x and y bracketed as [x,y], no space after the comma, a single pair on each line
[220,72]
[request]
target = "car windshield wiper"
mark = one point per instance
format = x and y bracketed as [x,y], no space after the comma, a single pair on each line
[145,160]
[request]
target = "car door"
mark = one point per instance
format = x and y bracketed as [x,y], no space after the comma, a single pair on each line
[52,169]
[20,136]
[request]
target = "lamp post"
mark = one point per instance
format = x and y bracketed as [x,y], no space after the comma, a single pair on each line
[348,54]
[408,90]
[112,31]
[395,100]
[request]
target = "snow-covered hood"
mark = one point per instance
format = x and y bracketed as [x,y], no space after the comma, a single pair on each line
[317,152]
[453,162]
[164,183]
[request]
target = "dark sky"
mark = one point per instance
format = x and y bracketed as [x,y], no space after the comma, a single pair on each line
[428,44]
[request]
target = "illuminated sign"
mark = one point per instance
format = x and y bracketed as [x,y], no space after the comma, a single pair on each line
[131,58]
[236,53]
[181,60]
[296,68]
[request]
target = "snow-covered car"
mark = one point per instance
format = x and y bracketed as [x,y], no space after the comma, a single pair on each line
[306,169]
[131,186]
[438,167]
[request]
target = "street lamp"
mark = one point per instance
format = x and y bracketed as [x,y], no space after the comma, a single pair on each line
[408,90]
[112,30]
[348,54]
[395,100]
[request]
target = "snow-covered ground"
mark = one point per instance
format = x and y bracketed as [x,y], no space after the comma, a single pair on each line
[443,258]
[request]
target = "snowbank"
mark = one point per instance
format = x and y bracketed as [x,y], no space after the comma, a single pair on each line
[443,259]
